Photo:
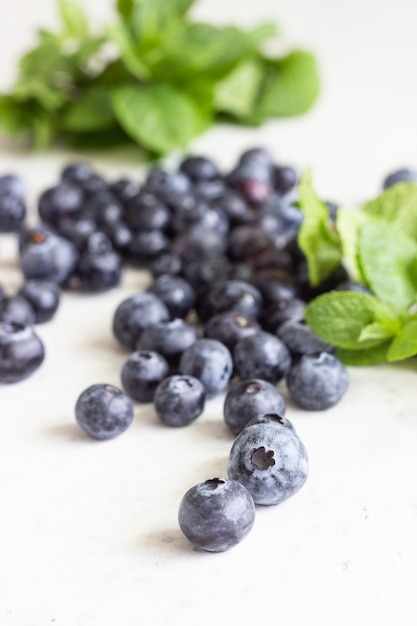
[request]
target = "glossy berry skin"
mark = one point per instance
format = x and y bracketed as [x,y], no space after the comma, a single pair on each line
[262,355]
[270,461]
[16,309]
[77,173]
[277,313]
[179,400]
[104,411]
[21,352]
[141,374]
[233,295]
[275,419]
[12,185]
[133,314]
[217,514]
[169,338]
[317,382]
[12,213]
[211,362]
[46,256]
[198,167]
[249,398]
[300,339]
[99,267]
[63,201]
[229,327]
[175,292]
[284,178]
[44,296]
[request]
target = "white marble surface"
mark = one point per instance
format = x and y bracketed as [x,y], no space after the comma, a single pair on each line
[88,530]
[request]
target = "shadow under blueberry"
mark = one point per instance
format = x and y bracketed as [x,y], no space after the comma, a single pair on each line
[69,432]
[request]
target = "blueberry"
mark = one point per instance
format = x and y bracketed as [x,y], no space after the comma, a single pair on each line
[169,338]
[12,185]
[317,382]
[133,314]
[99,267]
[179,400]
[166,263]
[285,179]
[277,313]
[217,514]
[210,190]
[300,339]
[47,256]
[146,211]
[403,175]
[124,189]
[233,295]
[248,399]
[271,462]
[104,411]
[262,355]
[229,327]
[104,208]
[63,201]
[141,374]
[144,246]
[78,231]
[17,309]
[44,296]
[21,352]
[198,168]
[211,362]
[166,184]
[175,292]
[77,173]
[12,213]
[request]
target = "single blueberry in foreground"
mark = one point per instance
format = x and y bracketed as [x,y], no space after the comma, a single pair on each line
[211,362]
[141,374]
[104,411]
[217,514]
[270,461]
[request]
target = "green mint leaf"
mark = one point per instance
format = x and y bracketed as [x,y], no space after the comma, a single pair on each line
[74,18]
[15,117]
[317,238]
[119,34]
[91,112]
[387,257]
[236,92]
[371,356]
[404,344]
[262,32]
[397,205]
[125,8]
[291,86]
[348,224]
[157,116]
[43,130]
[347,319]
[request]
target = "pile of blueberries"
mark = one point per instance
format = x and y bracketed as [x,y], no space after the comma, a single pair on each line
[224,313]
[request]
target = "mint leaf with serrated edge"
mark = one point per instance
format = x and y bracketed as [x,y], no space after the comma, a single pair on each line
[317,237]
[340,318]
[386,257]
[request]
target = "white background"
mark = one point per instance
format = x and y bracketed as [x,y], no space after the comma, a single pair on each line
[88,530]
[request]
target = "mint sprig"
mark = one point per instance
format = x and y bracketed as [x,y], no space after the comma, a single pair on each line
[378,246]
[168,78]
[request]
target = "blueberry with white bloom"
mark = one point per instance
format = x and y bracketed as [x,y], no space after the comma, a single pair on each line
[317,382]
[217,514]
[179,400]
[104,411]
[249,398]
[271,462]
[211,362]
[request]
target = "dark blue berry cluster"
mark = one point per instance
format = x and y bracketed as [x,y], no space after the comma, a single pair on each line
[223,314]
